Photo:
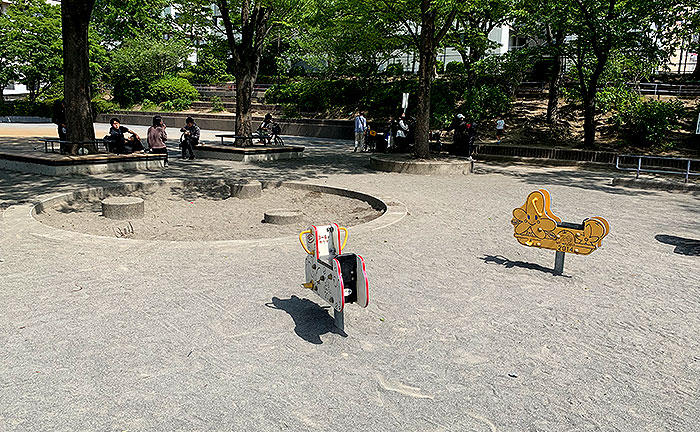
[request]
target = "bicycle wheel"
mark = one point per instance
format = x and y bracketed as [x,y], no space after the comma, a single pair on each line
[278,141]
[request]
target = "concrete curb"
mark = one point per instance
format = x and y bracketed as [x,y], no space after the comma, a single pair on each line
[401,164]
[23,215]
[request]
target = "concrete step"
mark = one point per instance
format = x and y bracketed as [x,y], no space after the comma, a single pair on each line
[231,106]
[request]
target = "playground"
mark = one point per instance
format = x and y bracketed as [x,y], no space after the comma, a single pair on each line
[466,329]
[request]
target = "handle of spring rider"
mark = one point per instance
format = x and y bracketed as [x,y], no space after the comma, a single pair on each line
[302,241]
[346,237]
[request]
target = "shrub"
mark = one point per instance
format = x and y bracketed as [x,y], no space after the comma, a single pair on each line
[394,69]
[142,61]
[456,68]
[172,88]
[216,104]
[647,123]
[485,101]
[100,106]
[178,104]
[24,107]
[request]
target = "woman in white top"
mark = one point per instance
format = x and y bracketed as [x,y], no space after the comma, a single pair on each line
[402,133]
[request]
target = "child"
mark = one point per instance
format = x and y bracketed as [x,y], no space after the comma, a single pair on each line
[500,124]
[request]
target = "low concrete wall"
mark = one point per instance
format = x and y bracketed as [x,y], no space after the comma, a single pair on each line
[92,168]
[334,129]
[24,119]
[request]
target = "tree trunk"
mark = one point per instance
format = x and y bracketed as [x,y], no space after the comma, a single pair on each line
[245,81]
[425,82]
[75,19]
[589,121]
[554,79]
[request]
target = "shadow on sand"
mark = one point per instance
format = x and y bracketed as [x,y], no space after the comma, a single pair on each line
[505,262]
[310,319]
[684,246]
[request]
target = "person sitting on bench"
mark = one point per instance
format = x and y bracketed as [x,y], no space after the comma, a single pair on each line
[117,143]
[265,130]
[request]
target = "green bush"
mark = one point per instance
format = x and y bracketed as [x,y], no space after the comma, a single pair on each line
[456,68]
[216,104]
[178,104]
[23,107]
[379,99]
[139,62]
[647,123]
[172,88]
[210,70]
[485,101]
[100,106]
[394,69]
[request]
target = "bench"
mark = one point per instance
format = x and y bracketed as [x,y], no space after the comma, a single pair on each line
[239,137]
[274,139]
[53,141]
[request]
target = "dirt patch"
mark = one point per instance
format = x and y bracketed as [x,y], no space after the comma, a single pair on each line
[191,213]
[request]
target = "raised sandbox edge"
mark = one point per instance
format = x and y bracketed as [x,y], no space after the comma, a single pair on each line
[392,211]
[404,164]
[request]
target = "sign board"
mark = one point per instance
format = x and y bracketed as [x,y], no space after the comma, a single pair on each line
[536,226]
[697,128]
[404,102]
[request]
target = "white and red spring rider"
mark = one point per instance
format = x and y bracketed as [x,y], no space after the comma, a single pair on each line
[336,277]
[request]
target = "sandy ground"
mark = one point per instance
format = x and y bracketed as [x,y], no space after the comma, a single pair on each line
[466,330]
[189,214]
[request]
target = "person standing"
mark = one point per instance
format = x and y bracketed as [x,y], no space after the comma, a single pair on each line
[360,130]
[459,139]
[157,138]
[402,133]
[500,124]
[191,134]
[59,119]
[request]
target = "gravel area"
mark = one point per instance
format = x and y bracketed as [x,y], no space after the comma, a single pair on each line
[466,330]
[190,214]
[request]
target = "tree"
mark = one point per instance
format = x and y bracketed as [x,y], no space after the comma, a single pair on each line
[75,16]
[8,65]
[245,33]
[602,28]
[426,22]
[34,36]
[548,21]
[117,20]
[470,37]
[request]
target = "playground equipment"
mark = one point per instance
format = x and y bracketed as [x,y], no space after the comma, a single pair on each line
[336,277]
[536,226]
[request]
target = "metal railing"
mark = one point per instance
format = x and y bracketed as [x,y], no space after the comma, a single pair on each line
[683,166]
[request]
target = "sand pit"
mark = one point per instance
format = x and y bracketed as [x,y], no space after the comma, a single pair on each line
[190,213]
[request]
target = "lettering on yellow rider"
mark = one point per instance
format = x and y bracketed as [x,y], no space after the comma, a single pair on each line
[536,225]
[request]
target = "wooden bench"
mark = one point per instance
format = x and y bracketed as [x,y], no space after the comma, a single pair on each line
[53,141]
[251,138]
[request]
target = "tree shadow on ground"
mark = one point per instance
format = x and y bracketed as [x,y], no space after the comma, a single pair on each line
[588,178]
[324,158]
[310,319]
[505,262]
[684,246]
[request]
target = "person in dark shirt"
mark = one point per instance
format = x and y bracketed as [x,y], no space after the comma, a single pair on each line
[59,118]
[190,137]
[116,139]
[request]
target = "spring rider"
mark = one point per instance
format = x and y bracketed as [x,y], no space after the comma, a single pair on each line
[338,278]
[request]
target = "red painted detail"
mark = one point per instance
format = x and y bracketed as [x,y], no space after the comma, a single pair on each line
[364,272]
[340,245]
[316,238]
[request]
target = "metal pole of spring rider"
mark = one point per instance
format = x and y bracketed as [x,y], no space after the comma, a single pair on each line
[559,263]
[339,318]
